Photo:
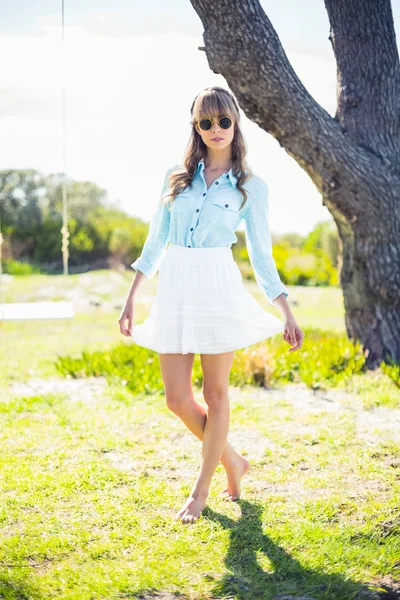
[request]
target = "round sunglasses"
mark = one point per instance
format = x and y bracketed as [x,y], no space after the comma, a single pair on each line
[223,122]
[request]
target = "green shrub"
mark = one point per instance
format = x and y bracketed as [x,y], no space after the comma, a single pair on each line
[325,359]
[132,365]
[295,266]
[16,267]
[392,370]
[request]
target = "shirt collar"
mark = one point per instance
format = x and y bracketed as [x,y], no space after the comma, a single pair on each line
[233,179]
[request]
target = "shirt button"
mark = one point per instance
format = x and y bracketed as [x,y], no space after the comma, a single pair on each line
[191,229]
[197,209]
[217,182]
[204,194]
[227,175]
[226,205]
[189,246]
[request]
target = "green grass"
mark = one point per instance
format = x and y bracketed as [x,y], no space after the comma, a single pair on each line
[30,348]
[90,491]
[91,481]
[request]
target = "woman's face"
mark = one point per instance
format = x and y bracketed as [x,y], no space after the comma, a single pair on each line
[216,137]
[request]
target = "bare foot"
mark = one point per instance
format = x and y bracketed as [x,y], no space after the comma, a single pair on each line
[192,509]
[235,473]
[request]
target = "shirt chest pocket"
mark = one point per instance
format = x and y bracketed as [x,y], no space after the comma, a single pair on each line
[226,208]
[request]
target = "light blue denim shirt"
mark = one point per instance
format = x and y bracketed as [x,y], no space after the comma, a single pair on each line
[202,217]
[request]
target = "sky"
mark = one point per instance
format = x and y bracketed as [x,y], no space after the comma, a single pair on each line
[131,70]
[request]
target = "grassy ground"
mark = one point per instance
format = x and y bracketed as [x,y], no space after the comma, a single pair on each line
[93,475]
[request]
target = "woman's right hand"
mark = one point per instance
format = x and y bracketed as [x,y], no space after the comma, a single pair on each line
[126,315]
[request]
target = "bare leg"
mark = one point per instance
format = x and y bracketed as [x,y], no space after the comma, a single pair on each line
[194,415]
[176,371]
[214,438]
[216,370]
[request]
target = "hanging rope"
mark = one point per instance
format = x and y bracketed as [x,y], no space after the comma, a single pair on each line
[64,228]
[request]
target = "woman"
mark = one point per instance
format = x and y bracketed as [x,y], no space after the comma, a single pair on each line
[201,304]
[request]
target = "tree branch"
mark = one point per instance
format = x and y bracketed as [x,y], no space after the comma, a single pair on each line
[242,45]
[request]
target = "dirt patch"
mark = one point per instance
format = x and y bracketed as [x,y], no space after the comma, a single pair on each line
[303,398]
[373,426]
[92,292]
[378,424]
[78,390]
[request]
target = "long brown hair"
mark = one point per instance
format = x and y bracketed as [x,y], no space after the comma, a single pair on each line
[211,103]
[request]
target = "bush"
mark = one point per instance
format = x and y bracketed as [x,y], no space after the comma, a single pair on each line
[325,359]
[16,267]
[295,266]
[392,370]
[132,365]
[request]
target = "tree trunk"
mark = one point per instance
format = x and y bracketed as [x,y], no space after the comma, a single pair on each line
[352,158]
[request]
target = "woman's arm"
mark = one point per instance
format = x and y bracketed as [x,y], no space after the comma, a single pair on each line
[157,239]
[128,309]
[148,262]
[259,247]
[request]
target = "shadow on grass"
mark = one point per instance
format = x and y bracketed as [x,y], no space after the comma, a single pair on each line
[282,576]
[285,575]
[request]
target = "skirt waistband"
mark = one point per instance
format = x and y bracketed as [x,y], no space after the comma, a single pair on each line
[190,255]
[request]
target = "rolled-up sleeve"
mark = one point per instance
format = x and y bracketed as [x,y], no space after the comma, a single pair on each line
[157,239]
[259,245]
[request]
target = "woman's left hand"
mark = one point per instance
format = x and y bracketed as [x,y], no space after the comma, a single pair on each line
[292,334]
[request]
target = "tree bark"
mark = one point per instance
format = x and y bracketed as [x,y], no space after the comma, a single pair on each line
[352,158]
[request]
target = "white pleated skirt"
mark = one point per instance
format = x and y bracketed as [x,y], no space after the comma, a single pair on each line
[202,306]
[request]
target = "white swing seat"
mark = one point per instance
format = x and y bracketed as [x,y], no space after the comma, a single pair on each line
[24,311]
